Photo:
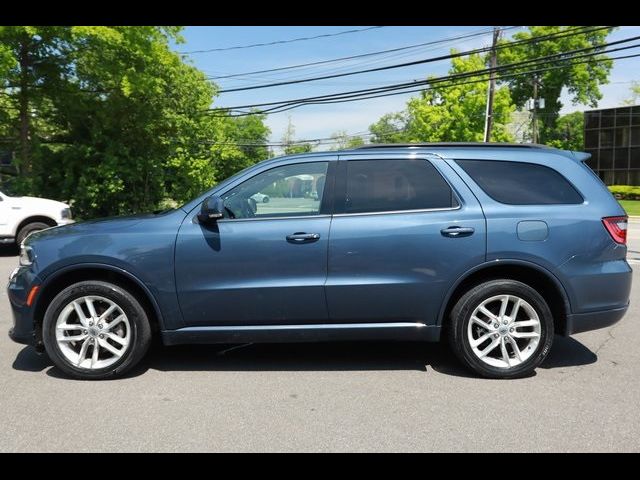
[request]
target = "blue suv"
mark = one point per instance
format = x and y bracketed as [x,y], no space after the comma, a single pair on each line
[495,247]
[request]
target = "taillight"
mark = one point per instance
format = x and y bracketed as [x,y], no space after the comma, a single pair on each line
[617,228]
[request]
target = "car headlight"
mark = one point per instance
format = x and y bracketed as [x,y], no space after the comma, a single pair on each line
[66,213]
[26,255]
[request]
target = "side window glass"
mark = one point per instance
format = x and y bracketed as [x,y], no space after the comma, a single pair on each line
[520,183]
[391,185]
[289,190]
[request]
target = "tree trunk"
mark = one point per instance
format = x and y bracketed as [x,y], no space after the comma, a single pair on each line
[24,117]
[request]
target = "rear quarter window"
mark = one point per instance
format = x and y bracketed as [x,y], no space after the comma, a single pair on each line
[519,183]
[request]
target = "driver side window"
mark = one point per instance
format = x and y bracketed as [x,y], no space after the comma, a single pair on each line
[289,190]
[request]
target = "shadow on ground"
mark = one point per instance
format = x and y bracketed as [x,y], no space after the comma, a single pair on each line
[343,356]
[8,251]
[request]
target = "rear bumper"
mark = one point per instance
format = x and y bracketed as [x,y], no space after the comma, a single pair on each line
[583,322]
[7,240]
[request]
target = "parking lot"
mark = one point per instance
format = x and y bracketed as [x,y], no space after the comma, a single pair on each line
[328,397]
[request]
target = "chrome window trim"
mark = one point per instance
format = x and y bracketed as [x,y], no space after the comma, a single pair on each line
[420,210]
[253,219]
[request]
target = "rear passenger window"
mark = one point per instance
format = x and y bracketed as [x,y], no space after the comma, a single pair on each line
[391,185]
[518,183]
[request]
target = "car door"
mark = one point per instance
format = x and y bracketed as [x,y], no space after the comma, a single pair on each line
[266,261]
[404,229]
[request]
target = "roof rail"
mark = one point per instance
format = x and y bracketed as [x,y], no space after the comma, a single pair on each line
[453,144]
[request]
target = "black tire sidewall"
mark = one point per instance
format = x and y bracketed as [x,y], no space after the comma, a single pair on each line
[29,228]
[461,316]
[140,329]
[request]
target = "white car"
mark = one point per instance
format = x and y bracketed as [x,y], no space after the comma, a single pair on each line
[260,197]
[20,216]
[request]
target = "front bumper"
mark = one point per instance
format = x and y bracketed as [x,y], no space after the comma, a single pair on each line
[20,283]
[584,322]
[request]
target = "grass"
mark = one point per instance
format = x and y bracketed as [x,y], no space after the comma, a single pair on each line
[632,207]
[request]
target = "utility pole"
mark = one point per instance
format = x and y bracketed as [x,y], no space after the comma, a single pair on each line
[493,62]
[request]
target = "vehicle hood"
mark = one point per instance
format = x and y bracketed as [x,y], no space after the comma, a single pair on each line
[97,226]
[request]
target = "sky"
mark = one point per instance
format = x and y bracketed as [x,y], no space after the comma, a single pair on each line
[321,121]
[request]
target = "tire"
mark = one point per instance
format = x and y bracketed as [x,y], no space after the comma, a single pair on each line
[532,341]
[132,328]
[30,228]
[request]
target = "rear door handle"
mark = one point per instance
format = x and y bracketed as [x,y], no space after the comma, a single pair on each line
[457,231]
[302,237]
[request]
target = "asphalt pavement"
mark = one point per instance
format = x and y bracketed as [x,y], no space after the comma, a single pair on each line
[328,397]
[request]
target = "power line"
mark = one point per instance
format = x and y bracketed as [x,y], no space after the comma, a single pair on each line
[362,55]
[384,92]
[381,95]
[415,62]
[279,42]
[404,85]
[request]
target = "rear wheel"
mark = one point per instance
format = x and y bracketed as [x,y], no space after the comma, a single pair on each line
[501,329]
[30,228]
[95,330]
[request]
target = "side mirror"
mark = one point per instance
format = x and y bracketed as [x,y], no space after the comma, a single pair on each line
[212,209]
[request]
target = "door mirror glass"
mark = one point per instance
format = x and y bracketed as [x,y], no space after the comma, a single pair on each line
[212,209]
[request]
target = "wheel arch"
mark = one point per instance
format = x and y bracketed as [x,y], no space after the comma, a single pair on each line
[530,273]
[33,219]
[64,277]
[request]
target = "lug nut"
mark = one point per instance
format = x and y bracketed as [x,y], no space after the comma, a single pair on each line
[496,335]
[91,340]
[84,331]
[504,322]
[511,329]
[90,323]
[496,325]
[99,325]
[101,335]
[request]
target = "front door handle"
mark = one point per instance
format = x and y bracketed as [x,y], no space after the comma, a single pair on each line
[457,231]
[302,237]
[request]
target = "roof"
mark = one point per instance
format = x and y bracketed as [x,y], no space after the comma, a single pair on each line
[453,145]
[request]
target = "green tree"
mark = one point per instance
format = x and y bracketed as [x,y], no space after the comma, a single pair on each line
[252,135]
[568,132]
[289,144]
[634,99]
[343,141]
[448,112]
[391,128]
[112,119]
[452,113]
[581,81]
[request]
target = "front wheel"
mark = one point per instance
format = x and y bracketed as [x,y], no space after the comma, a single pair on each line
[95,330]
[501,329]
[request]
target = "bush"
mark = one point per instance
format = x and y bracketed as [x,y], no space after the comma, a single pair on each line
[625,192]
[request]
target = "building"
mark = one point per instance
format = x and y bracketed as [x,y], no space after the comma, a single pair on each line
[612,137]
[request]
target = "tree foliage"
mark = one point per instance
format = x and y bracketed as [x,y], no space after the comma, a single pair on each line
[568,132]
[448,112]
[634,97]
[112,119]
[342,141]
[581,81]
[289,143]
